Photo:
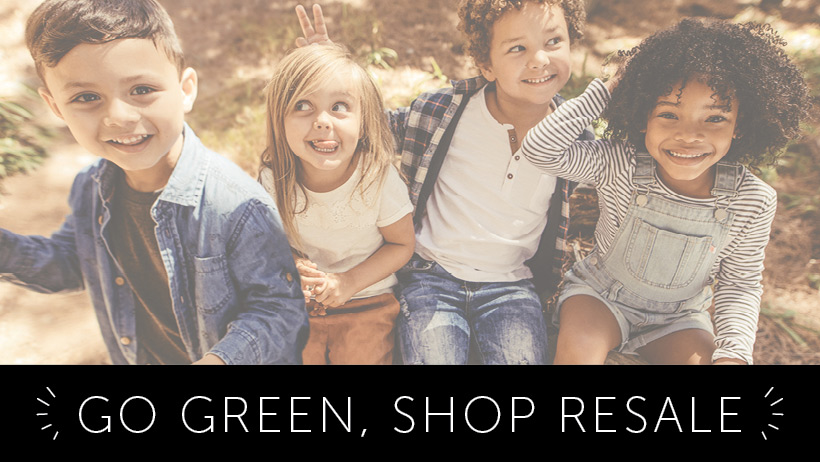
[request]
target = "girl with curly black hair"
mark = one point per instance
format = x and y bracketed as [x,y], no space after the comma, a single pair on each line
[683,222]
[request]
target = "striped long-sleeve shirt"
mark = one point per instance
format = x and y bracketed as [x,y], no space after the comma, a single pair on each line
[610,164]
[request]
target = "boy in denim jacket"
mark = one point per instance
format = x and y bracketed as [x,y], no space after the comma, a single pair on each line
[183,253]
[490,227]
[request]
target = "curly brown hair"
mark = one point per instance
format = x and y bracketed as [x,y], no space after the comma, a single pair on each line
[744,62]
[476,19]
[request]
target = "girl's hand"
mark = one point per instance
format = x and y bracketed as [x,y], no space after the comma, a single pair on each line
[311,35]
[310,276]
[335,291]
[612,69]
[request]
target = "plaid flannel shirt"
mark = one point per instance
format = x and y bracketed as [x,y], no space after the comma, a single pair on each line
[422,133]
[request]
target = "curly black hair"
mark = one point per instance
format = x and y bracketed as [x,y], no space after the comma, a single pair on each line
[476,19]
[745,62]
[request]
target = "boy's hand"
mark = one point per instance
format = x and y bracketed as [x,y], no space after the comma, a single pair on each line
[209,360]
[310,275]
[335,291]
[317,35]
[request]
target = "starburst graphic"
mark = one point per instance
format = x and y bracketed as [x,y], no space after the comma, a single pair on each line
[773,413]
[46,413]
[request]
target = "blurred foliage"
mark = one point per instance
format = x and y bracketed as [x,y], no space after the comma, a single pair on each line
[361,32]
[232,122]
[22,140]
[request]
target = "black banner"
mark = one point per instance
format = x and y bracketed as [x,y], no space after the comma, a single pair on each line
[598,409]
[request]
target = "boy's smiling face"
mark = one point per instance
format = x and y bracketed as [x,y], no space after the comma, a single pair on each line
[124,101]
[529,55]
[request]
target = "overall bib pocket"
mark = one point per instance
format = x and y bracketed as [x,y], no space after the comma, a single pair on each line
[666,259]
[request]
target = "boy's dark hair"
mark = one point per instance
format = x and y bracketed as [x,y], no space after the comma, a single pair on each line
[476,19]
[744,63]
[57,26]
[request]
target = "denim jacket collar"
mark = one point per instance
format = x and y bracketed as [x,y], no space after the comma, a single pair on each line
[185,185]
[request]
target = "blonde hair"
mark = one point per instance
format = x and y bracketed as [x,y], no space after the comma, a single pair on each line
[300,73]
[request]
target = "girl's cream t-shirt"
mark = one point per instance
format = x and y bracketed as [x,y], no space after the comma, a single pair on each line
[339,229]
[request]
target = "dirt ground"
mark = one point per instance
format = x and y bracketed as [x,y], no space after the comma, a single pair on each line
[221,41]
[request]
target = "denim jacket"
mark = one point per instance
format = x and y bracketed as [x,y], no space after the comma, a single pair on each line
[422,133]
[233,283]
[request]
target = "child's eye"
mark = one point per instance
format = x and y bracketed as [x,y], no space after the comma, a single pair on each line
[85,98]
[516,49]
[341,107]
[554,41]
[302,106]
[716,119]
[667,115]
[142,90]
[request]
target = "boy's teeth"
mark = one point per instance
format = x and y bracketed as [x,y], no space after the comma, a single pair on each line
[130,140]
[686,156]
[541,80]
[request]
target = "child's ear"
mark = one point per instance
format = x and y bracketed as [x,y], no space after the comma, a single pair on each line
[486,72]
[189,83]
[46,95]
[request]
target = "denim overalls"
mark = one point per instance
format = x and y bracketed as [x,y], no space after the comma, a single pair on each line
[655,278]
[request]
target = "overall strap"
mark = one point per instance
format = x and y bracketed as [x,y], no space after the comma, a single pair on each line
[644,169]
[726,176]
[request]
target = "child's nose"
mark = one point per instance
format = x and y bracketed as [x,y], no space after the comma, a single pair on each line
[322,121]
[539,59]
[690,133]
[120,113]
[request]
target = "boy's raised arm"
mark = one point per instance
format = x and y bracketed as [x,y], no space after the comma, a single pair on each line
[312,34]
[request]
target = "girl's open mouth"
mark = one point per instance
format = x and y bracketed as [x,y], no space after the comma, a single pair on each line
[326,147]
[687,155]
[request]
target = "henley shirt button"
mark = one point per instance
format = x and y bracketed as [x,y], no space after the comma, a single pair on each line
[289,277]
[125,340]
[512,139]
[510,176]
[593,261]
[517,157]
[119,281]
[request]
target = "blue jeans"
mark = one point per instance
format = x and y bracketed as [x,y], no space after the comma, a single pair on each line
[439,313]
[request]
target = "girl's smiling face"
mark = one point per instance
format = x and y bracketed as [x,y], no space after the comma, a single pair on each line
[323,131]
[687,133]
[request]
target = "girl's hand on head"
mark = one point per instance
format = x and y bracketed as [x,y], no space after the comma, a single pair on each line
[335,291]
[612,69]
[311,34]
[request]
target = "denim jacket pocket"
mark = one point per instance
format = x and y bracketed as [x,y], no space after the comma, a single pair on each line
[214,288]
[666,259]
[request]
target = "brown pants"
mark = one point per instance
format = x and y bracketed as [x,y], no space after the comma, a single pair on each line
[358,332]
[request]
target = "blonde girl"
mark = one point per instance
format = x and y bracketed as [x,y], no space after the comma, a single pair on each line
[346,211]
